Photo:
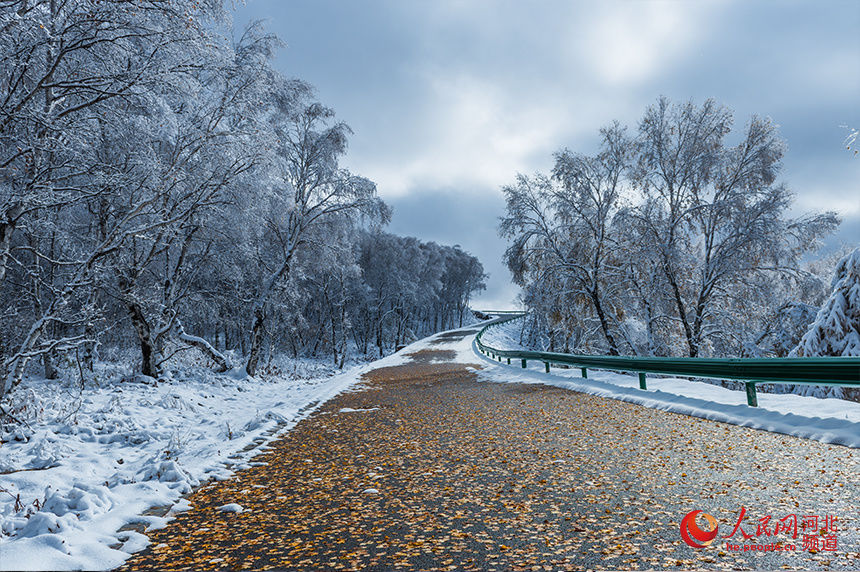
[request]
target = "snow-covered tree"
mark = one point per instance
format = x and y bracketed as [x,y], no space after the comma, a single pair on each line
[565,222]
[836,328]
[715,215]
[669,244]
[71,75]
[163,188]
[413,288]
[309,187]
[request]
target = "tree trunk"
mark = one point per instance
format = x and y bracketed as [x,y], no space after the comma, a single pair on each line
[15,372]
[258,329]
[256,341]
[343,347]
[604,325]
[333,340]
[220,359]
[682,314]
[50,365]
[397,335]
[7,226]
[270,355]
[89,348]
[150,365]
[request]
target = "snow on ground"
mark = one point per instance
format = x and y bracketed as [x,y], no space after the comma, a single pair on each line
[98,459]
[93,461]
[505,335]
[827,420]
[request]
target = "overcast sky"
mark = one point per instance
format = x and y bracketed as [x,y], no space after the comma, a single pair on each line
[450,99]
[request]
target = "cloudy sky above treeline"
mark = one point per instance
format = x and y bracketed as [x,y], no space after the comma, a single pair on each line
[449,100]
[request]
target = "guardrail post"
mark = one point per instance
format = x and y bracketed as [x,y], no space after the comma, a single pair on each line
[524,364]
[642,380]
[546,363]
[500,359]
[752,400]
[509,361]
[585,373]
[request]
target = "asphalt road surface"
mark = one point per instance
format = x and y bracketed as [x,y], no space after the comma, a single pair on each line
[436,470]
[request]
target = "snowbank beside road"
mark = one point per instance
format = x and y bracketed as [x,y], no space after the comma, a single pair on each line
[827,420]
[505,335]
[97,459]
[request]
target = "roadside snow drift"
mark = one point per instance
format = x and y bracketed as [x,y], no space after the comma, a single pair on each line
[828,420]
[99,458]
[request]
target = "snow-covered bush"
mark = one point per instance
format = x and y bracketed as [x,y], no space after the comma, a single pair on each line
[167,470]
[836,329]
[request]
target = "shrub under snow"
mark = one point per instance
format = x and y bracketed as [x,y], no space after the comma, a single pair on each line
[836,329]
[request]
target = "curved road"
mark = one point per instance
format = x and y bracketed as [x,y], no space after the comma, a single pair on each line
[423,466]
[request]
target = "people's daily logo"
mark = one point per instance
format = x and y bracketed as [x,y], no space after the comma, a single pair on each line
[695,536]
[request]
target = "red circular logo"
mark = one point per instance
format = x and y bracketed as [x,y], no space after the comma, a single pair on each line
[691,533]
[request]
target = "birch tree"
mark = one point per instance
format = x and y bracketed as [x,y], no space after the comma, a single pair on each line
[308,188]
[162,188]
[714,217]
[567,222]
[72,73]
[673,238]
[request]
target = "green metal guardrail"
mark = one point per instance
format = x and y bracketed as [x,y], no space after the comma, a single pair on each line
[843,371]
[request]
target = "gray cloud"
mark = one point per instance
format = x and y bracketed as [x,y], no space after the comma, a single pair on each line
[462,95]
